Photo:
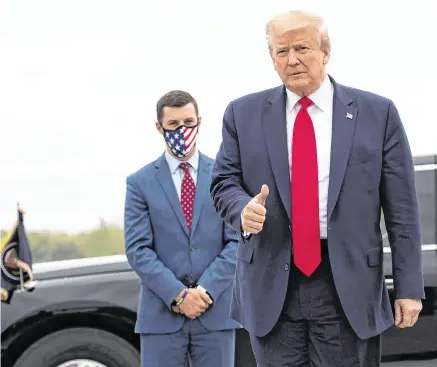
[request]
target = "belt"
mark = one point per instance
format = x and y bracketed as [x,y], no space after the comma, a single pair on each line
[188,281]
[324,247]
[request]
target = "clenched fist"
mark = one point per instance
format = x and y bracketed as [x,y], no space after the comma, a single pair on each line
[407,312]
[254,213]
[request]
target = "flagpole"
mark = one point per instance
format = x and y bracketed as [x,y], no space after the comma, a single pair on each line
[21,271]
[21,280]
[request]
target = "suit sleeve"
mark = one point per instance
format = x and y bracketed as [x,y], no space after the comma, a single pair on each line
[142,258]
[401,214]
[220,273]
[227,192]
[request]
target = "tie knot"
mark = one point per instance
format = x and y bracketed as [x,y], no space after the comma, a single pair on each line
[185,166]
[305,102]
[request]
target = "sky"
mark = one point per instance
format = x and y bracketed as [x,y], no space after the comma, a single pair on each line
[79,81]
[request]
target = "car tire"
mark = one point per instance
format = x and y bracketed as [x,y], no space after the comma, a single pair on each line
[72,344]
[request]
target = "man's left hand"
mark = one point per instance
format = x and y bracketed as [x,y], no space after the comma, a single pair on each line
[200,288]
[407,312]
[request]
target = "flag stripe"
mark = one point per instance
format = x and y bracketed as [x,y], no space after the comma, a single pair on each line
[189,141]
[188,132]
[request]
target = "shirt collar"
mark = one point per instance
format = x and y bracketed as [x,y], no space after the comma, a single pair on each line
[322,97]
[173,162]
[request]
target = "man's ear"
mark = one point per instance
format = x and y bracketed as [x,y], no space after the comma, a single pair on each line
[199,122]
[326,56]
[159,128]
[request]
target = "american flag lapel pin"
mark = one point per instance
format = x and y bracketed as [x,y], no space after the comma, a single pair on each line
[349,116]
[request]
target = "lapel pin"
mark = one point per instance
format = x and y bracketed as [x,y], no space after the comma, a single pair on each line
[349,116]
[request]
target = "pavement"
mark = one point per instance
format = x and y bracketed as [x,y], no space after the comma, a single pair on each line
[419,363]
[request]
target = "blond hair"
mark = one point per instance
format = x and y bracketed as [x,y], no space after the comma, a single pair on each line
[298,19]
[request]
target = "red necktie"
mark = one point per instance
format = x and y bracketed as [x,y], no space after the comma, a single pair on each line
[305,193]
[188,189]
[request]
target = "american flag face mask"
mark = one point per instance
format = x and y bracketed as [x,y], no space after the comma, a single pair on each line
[182,140]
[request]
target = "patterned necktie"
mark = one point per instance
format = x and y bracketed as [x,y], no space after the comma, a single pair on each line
[305,193]
[188,189]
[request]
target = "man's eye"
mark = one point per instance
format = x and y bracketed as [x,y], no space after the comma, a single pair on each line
[282,52]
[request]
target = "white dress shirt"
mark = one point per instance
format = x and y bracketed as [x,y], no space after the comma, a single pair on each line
[177,173]
[320,112]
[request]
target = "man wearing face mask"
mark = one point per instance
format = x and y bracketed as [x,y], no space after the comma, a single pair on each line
[183,253]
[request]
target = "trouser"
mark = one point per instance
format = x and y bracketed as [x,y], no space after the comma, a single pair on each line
[192,342]
[313,329]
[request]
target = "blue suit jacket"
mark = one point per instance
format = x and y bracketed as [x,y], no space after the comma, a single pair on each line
[162,252]
[371,167]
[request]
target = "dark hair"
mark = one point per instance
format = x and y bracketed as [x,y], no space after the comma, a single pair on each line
[175,98]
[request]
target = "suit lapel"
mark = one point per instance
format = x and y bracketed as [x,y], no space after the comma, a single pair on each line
[202,190]
[275,132]
[343,126]
[164,177]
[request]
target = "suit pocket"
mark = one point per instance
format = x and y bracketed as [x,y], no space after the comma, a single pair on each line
[245,253]
[358,156]
[374,257]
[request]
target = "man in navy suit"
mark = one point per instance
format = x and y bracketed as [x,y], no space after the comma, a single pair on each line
[182,251]
[302,173]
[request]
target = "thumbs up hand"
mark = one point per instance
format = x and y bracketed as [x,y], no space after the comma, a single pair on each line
[262,196]
[254,213]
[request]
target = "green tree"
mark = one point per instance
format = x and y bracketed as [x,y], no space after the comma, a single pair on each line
[66,251]
[105,240]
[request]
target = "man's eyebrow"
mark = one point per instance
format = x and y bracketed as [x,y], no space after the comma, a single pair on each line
[301,42]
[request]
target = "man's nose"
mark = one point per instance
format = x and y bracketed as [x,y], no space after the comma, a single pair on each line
[292,59]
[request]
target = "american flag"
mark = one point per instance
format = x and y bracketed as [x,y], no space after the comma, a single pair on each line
[181,140]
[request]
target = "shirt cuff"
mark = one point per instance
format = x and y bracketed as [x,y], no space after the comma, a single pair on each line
[245,234]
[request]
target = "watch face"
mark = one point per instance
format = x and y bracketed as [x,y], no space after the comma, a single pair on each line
[11,274]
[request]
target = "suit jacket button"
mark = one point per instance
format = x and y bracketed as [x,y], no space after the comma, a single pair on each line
[289,228]
[286,267]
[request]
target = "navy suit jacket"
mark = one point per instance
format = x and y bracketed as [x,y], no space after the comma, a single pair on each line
[162,251]
[371,167]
